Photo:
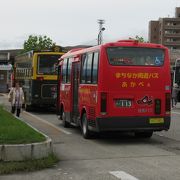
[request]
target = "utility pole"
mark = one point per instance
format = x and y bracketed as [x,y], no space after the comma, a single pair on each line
[101,29]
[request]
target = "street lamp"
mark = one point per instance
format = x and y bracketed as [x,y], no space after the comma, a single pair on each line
[100,36]
[101,29]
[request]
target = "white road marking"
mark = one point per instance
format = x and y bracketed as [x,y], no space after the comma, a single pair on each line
[174,112]
[5,95]
[122,175]
[50,124]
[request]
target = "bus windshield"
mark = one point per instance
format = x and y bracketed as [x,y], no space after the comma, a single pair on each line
[47,64]
[132,56]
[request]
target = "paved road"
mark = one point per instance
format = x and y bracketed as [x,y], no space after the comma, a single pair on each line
[109,156]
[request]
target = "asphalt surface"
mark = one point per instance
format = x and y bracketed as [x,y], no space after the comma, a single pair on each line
[110,156]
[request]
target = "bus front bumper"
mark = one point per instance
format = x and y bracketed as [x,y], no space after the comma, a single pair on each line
[130,124]
[43,102]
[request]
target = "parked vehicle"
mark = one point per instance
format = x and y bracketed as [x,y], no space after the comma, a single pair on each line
[36,71]
[111,87]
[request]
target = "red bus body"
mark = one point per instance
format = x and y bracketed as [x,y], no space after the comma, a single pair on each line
[125,95]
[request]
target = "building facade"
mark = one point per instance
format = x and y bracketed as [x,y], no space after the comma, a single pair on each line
[5,72]
[166,31]
[6,68]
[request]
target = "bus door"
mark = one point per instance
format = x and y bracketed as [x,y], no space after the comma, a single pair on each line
[75,87]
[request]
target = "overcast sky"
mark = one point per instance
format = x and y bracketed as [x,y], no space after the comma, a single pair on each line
[74,22]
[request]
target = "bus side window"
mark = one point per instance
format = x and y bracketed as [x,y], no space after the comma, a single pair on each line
[83,68]
[69,64]
[89,69]
[95,68]
[64,71]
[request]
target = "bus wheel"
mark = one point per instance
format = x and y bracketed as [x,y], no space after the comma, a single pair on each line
[85,131]
[145,134]
[64,122]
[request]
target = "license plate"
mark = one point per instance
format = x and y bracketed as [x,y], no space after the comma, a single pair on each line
[156,120]
[123,103]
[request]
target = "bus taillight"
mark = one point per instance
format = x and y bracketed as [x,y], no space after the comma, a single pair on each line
[40,78]
[157,106]
[167,103]
[103,103]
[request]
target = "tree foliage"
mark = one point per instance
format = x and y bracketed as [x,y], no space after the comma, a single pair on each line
[139,38]
[38,43]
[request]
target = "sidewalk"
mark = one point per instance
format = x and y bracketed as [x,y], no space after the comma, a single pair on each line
[177,107]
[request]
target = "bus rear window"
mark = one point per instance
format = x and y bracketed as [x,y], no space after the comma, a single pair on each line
[47,64]
[133,56]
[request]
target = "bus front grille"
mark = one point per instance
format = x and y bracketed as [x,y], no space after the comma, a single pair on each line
[48,90]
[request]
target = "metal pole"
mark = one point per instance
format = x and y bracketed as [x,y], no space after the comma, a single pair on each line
[100,37]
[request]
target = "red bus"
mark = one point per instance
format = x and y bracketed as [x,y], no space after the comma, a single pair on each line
[119,86]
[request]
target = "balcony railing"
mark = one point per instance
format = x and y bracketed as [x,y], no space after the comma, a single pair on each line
[174,43]
[172,27]
[172,35]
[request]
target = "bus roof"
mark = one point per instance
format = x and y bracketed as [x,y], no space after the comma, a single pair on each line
[126,43]
[134,43]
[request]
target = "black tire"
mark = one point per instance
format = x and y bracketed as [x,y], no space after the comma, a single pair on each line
[64,122]
[145,134]
[87,134]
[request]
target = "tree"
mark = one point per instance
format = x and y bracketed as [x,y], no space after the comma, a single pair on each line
[38,43]
[139,38]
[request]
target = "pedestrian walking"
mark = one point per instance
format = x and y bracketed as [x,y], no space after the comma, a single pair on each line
[174,94]
[16,97]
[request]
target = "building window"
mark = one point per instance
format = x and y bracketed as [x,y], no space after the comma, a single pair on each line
[1,76]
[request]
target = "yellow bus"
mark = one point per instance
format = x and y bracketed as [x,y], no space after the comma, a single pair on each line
[36,72]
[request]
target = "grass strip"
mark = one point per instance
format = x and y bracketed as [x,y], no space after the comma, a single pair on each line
[28,166]
[14,131]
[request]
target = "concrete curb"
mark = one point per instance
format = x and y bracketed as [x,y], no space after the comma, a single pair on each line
[22,152]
